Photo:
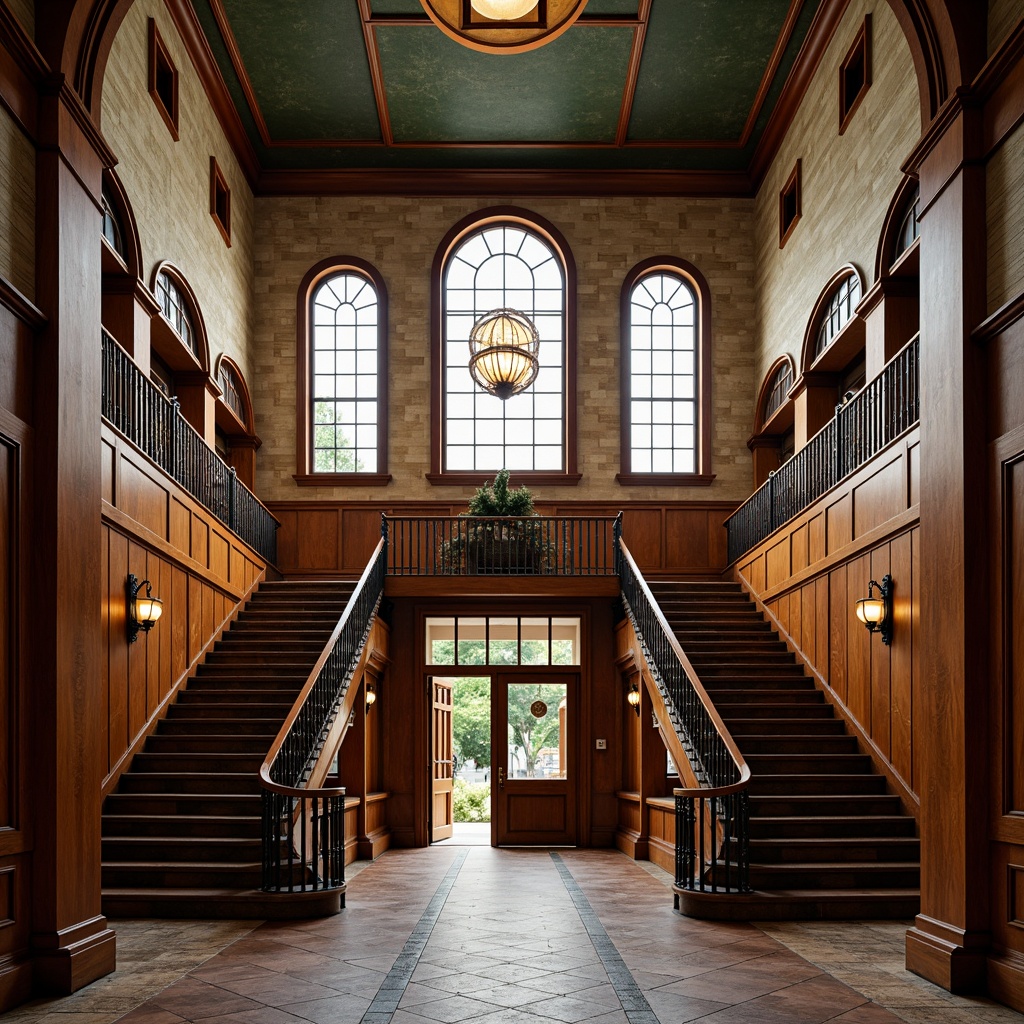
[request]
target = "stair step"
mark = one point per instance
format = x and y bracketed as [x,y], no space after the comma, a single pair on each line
[790,681]
[749,728]
[831,825]
[191,783]
[834,876]
[173,804]
[189,825]
[807,764]
[246,875]
[200,762]
[181,850]
[839,850]
[749,698]
[818,784]
[171,732]
[814,806]
[779,711]
[200,708]
[790,744]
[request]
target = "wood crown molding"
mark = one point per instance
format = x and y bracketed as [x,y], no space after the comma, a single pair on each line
[489,182]
[23,308]
[823,28]
[1001,320]
[191,34]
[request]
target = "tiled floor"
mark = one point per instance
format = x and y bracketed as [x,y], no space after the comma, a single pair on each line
[499,936]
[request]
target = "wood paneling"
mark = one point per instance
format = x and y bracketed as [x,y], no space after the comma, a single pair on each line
[200,571]
[810,575]
[337,538]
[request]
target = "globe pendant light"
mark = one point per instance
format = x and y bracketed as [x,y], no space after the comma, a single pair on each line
[504,347]
[503,10]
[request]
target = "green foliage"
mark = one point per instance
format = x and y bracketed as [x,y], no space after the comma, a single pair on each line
[498,500]
[471,721]
[471,801]
[527,731]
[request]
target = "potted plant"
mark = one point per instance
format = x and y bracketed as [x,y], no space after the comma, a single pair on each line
[490,545]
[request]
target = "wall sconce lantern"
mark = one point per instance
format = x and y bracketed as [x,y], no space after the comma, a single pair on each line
[504,351]
[141,612]
[371,697]
[633,699]
[876,612]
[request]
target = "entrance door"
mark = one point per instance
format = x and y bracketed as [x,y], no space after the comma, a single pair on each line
[533,759]
[441,810]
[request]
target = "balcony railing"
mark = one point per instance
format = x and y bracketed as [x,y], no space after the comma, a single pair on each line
[712,818]
[501,546]
[136,407]
[303,827]
[860,429]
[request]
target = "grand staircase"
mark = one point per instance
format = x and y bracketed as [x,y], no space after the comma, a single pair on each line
[827,837]
[181,834]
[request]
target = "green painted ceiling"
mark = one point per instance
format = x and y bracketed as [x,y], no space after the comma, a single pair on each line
[302,84]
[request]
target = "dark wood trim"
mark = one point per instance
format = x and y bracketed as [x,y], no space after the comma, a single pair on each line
[23,308]
[861,46]
[589,20]
[342,479]
[823,28]
[194,41]
[475,479]
[21,74]
[633,71]
[1000,84]
[160,62]
[885,252]
[303,423]
[926,51]
[705,383]
[1001,320]
[665,479]
[218,188]
[500,181]
[380,95]
[543,227]
[785,34]
[790,193]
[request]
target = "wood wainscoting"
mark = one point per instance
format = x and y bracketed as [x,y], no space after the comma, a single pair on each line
[331,538]
[809,575]
[198,568]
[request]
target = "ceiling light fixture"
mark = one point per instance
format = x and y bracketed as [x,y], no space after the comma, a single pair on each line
[503,10]
[503,26]
[504,349]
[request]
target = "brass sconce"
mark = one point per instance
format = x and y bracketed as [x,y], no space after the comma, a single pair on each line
[633,699]
[141,613]
[371,696]
[876,612]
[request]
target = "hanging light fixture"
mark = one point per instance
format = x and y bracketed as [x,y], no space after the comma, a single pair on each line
[503,10]
[876,612]
[504,349]
[633,698]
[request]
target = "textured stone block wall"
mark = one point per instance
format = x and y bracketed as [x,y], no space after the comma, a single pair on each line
[848,182]
[168,182]
[607,238]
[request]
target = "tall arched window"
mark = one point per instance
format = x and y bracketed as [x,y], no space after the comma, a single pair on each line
[504,258]
[666,382]
[342,374]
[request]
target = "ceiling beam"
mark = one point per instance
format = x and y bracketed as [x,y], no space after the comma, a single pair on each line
[633,71]
[380,95]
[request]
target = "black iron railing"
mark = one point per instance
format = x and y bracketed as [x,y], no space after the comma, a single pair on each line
[712,820]
[860,429]
[136,407]
[501,546]
[303,828]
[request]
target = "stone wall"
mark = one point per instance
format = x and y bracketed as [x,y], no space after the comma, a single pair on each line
[168,182]
[847,182]
[607,237]
[17,206]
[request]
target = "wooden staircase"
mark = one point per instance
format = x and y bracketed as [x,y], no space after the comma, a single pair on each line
[182,831]
[827,837]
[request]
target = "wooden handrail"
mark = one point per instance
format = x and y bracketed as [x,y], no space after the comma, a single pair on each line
[279,740]
[739,761]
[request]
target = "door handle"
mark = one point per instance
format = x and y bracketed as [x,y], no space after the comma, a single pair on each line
[501,778]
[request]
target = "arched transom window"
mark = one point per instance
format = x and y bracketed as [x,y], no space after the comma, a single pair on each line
[346,381]
[503,264]
[175,309]
[665,387]
[840,308]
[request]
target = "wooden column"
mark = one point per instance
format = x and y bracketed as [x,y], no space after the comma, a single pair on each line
[814,396]
[70,939]
[950,938]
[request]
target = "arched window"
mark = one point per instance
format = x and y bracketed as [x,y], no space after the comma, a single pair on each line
[236,439]
[179,350]
[342,380]
[841,305]
[504,258]
[176,310]
[777,389]
[909,228]
[773,439]
[666,385]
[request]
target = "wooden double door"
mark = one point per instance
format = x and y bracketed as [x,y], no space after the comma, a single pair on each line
[532,772]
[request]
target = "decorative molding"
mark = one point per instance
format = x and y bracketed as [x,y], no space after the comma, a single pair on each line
[636,53]
[194,41]
[1000,84]
[23,308]
[503,181]
[342,479]
[1001,320]
[823,28]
